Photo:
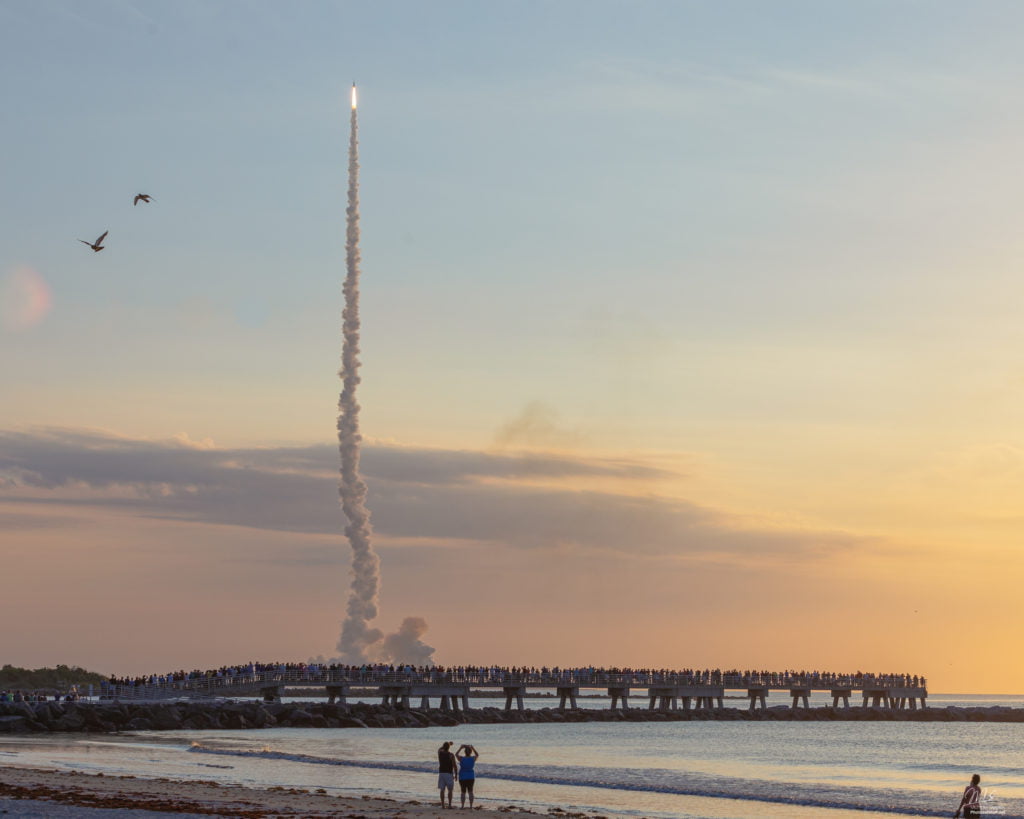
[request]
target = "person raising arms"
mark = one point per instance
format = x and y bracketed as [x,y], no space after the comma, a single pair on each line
[467,756]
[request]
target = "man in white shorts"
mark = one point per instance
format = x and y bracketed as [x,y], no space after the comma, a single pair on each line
[446,765]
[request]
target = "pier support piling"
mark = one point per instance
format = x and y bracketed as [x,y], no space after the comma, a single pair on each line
[517,692]
[395,696]
[841,694]
[704,696]
[666,698]
[878,697]
[447,694]
[799,693]
[617,693]
[903,698]
[567,692]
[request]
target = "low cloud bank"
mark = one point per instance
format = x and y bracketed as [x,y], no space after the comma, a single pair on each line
[427,494]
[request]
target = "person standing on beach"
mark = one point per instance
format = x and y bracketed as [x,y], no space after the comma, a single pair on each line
[970,804]
[467,757]
[446,772]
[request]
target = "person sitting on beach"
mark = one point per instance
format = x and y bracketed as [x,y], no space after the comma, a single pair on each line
[970,804]
[446,772]
[467,756]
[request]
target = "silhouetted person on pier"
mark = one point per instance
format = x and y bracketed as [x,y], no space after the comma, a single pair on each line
[970,803]
[467,756]
[446,764]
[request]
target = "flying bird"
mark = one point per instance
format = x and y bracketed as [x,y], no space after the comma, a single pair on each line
[145,197]
[96,246]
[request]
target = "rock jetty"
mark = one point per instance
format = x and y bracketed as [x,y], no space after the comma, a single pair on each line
[196,715]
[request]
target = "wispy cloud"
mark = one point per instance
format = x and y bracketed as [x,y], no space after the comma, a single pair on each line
[537,425]
[671,85]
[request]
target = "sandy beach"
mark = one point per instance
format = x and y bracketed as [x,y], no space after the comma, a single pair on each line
[37,792]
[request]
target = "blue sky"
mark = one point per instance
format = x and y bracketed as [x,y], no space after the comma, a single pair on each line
[570,185]
[556,176]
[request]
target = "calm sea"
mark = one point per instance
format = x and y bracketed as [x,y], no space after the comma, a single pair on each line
[720,770]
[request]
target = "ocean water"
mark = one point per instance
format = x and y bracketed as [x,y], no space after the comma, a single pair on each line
[719,770]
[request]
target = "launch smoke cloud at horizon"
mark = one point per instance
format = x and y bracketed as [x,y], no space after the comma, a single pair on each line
[359,641]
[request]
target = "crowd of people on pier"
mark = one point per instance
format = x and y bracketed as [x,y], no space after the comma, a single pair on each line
[505,675]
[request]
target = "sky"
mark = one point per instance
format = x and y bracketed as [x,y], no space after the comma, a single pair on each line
[691,332]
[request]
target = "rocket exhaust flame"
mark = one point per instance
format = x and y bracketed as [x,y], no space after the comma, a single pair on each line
[359,642]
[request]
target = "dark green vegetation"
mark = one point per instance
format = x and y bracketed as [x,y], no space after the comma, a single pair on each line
[56,679]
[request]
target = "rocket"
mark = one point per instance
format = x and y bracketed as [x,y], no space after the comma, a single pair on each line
[353,95]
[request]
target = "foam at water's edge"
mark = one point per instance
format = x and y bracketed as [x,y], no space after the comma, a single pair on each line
[907,803]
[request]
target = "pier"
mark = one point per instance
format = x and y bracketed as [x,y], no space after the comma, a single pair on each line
[451,690]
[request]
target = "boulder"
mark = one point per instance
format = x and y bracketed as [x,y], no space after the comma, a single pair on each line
[73,720]
[300,718]
[13,724]
[233,719]
[165,717]
[275,709]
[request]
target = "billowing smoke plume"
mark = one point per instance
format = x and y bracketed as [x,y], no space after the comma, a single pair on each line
[359,642]
[405,646]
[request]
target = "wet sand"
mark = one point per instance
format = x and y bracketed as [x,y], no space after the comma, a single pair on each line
[30,792]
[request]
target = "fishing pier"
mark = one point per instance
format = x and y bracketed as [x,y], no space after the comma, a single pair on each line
[452,689]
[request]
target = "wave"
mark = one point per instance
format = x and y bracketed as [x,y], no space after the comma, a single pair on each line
[658,781]
[1012,773]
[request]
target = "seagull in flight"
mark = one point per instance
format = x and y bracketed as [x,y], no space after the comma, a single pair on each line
[96,246]
[145,197]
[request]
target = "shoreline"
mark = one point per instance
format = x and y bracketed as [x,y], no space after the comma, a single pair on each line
[139,796]
[386,774]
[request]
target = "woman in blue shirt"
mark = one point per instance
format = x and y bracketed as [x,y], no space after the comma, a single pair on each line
[467,756]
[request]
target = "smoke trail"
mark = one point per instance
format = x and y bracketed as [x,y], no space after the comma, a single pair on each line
[356,635]
[359,642]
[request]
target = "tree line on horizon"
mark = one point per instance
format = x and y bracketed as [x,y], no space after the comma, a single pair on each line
[60,678]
